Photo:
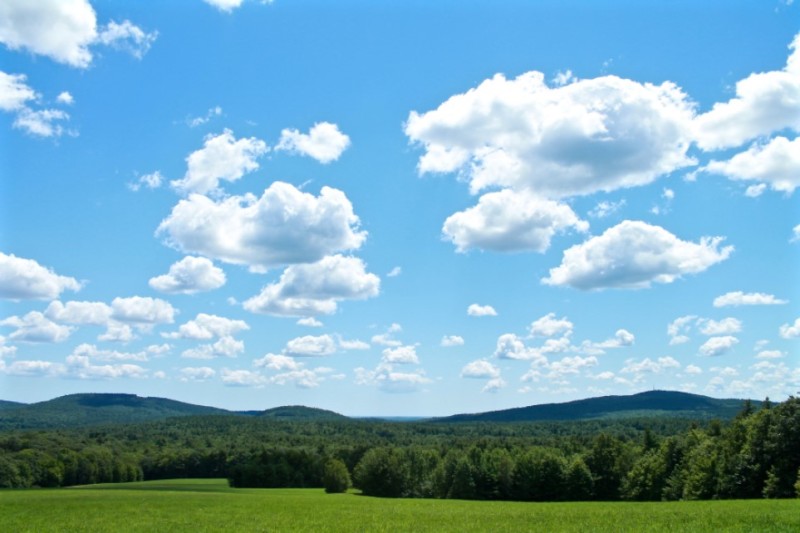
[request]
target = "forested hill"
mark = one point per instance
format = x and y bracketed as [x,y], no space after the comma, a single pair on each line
[651,403]
[10,405]
[300,412]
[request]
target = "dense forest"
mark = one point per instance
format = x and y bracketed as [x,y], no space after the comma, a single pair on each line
[754,455]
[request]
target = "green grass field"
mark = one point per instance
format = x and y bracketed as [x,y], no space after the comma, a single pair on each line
[209,505]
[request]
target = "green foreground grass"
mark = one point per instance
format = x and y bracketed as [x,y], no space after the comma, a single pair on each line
[209,505]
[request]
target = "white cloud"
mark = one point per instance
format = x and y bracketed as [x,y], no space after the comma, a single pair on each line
[622,338]
[128,37]
[6,351]
[116,332]
[387,338]
[284,226]
[790,331]
[592,135]
[215,111]
[41,122]
[480,369]
[242,378]
[494,385]
[649,366]
[35,327]
[776,163]
[93,353]
[80,367]
[93,313]
[32,368]
[226,6]
[143,310]
[224,347]
[634,254]
[402,355]
[393,273]
[25,279]
[738,298]
[14,92]
[795,234]
[324,142]
[754,191]
[314,289]
[202,373]
[718,345]
[452,340]
[277,362]
[606,208]
[311,346]
[481,310]
[550,326]
[65,98]
[354,344]
[190,275]
[770,354]
[205,327]
[570,365]
[310,322]
[222,157]
[304,378]
[765,103]
[390,381]
[508,221]
[150,181]
[679,328]
[63,30]
[693,370]
[725,326]
[509,346]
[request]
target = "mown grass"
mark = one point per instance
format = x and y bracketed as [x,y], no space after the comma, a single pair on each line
[209,505]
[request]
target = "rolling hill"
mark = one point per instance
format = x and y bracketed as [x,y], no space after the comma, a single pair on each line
[650,403]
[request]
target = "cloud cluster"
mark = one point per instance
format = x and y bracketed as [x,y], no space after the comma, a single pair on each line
[635,254]
[284,226]
[25,279]
[324,142]
[481,310]
[190,275]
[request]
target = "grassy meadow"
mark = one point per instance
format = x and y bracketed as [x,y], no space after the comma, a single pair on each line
[209,505]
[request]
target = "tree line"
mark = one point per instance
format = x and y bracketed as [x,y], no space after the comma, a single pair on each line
[757,454]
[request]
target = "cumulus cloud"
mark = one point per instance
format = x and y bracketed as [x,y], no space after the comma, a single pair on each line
[36,328]
[94,353]
[143,310]
[117,332]
[25,279]
[679,328]
[310,322]
[324,142]
[401,355]
[494,385]
[480,369]
[550,326]
[795,234]
[227,6]
[393,273]
[591,135]
[765,102]
[649,366]
[284,226]
[693,370]
[205,327]
[776,163]
[242,378]
[32,368]
[452,340]
[353,344]
[149,181]
[606,208]
[222,157]
[481,310]
[510,346]
[387,338]
[277,362]
[15,96]
[202,373]
[387,378]
[193,122]
[718,345]
[316,288]
[789,331]
[65,98]
[41,122]
[508,221]
[635,254]
[621,338]
[311,346]
[738,298]
[63,30]
[770,354]
[15,92]
[224,347]
[720,327]
[92,313]
[190,275]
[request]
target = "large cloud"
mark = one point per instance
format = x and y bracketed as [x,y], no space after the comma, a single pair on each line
[92,313]
[765,103]
[776,163]
[315,289]
[635,254]
[507,221]
[284,226]
[25,279]
[591,135]
[324,142]
[222,157]
[189,276]
[63,30]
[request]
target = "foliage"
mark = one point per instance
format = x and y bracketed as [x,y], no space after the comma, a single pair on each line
[336,478]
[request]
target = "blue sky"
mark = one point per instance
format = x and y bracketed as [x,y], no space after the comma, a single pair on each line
[399,208]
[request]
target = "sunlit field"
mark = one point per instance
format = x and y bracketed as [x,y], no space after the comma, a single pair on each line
[209,505]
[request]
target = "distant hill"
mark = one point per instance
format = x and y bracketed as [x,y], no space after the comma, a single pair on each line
[10,405]
[651,403]
[80,410]
[299,412]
